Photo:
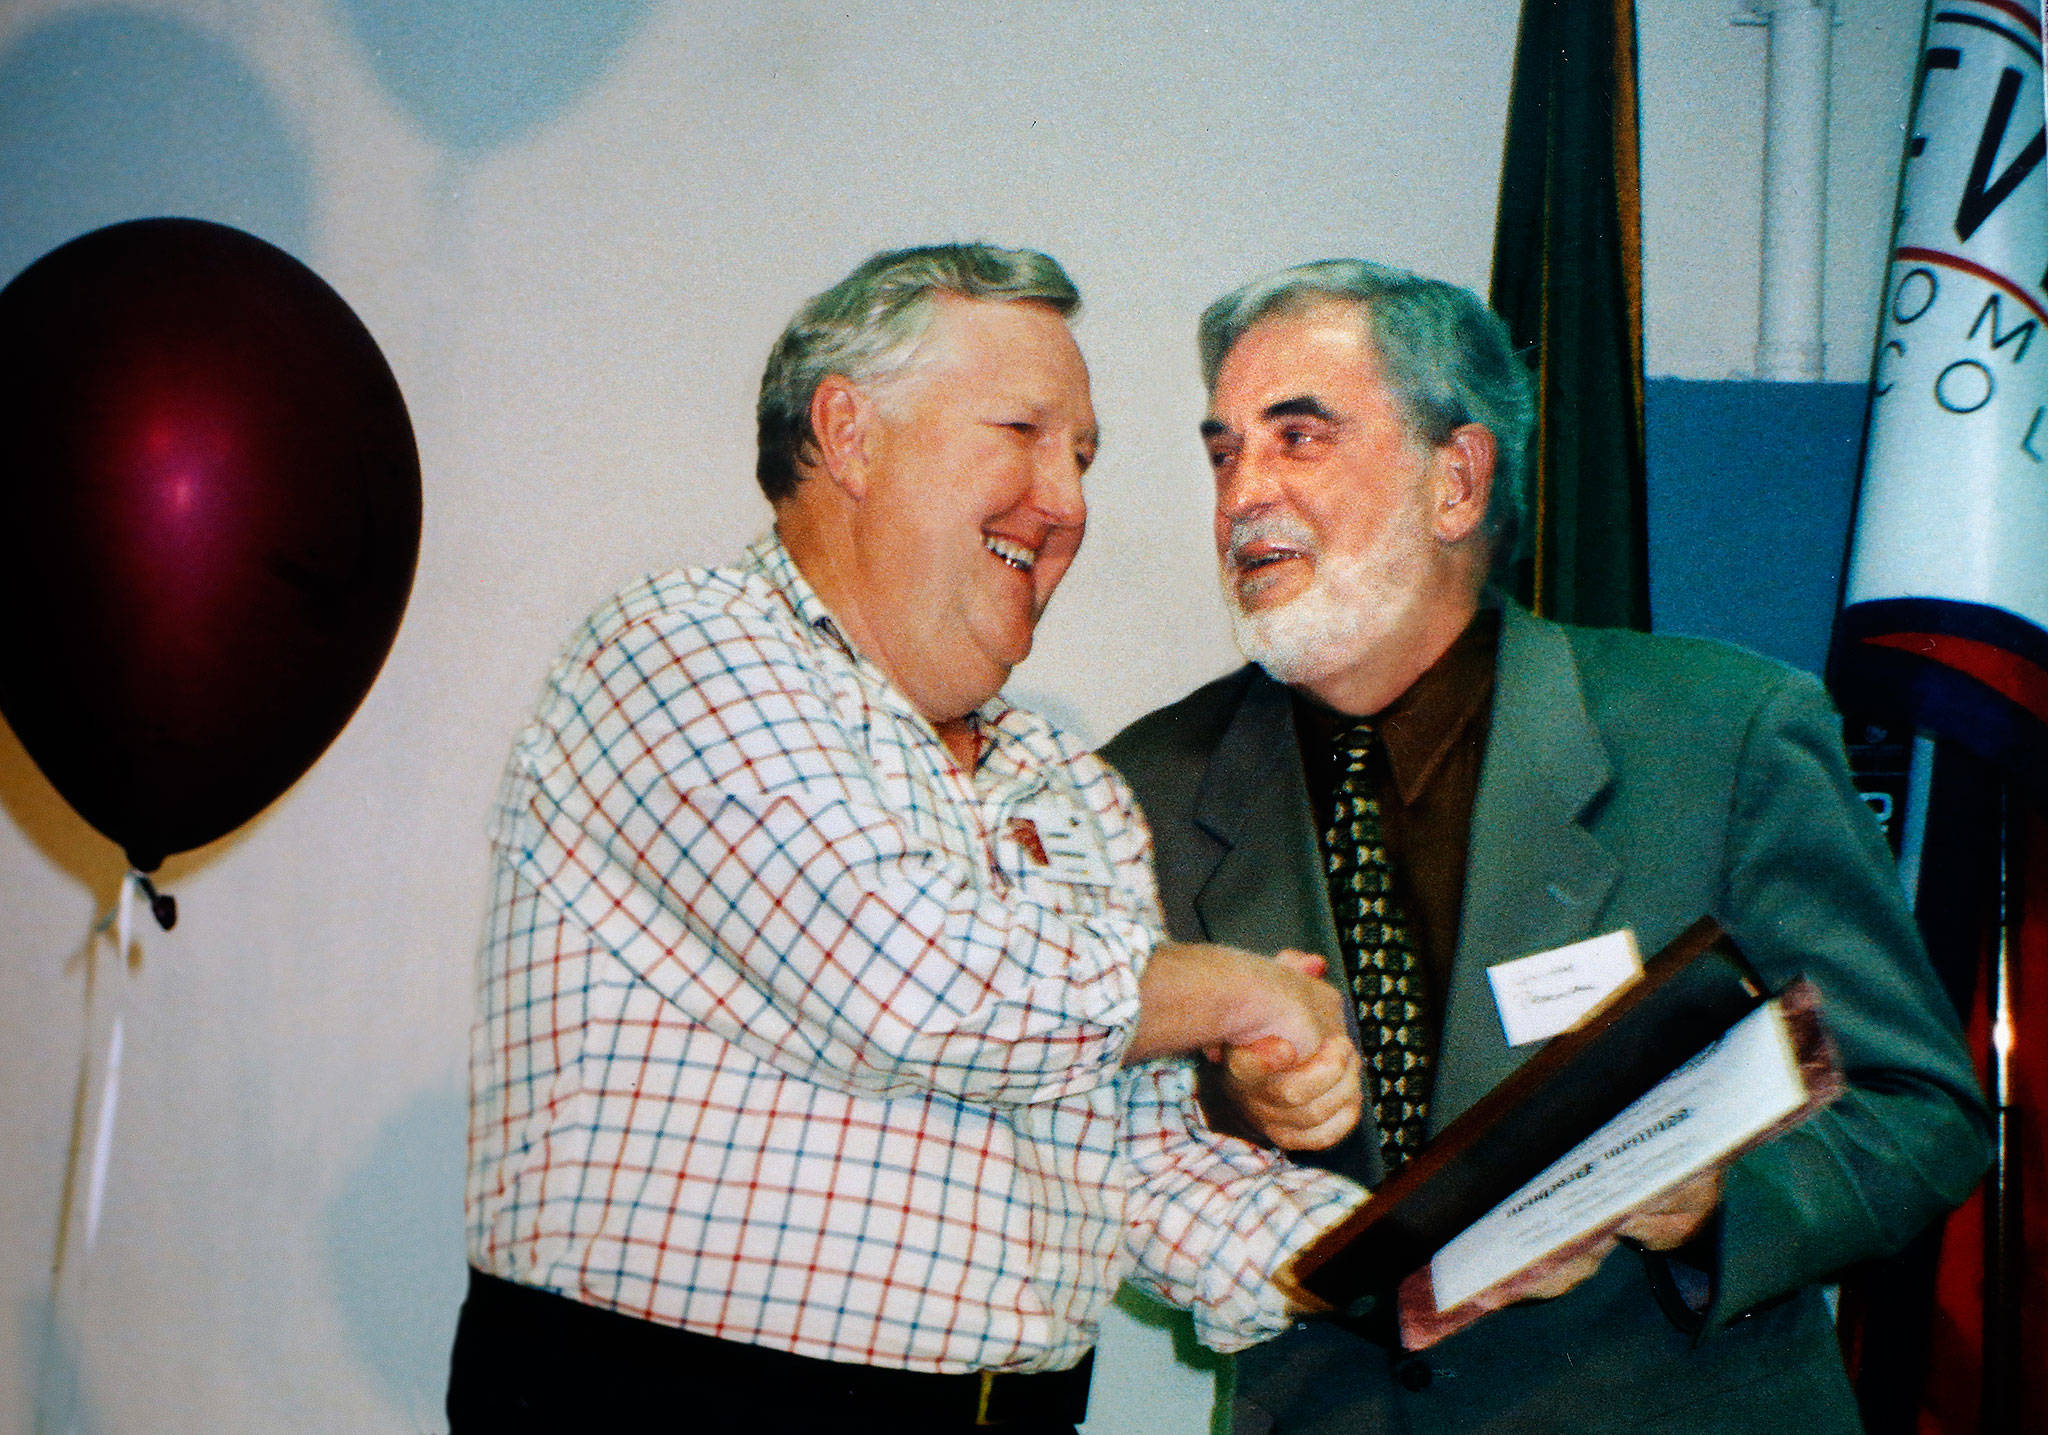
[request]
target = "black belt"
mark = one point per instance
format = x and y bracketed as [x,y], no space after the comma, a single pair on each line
[527,1357]
[985,1399]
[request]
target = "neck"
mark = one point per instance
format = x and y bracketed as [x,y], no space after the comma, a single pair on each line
[1391,668]
[820,541]
[962,741]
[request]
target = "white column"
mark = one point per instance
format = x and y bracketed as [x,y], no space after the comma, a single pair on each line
[1795,189]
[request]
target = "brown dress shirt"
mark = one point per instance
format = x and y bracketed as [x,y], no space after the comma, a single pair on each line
[1426,775]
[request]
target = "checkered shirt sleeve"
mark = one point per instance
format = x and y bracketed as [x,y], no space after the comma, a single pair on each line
[784,1035]
[1211,1218]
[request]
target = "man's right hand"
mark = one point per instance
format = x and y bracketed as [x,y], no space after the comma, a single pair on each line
[1277,1026]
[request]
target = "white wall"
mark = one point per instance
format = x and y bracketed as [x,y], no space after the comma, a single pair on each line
[575,280]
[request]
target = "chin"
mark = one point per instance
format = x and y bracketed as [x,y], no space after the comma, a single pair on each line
[1319,632]
[1355,606]
[1006,644]
[983,672]
[1002,667]
[1291,650]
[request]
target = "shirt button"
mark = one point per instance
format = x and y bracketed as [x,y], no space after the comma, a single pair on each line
[1414,1373]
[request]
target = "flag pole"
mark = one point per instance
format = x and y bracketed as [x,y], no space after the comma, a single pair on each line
[2003,1243]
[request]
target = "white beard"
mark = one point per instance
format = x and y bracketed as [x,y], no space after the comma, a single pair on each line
[1354,604]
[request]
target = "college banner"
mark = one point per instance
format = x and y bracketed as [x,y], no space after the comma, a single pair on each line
[1945,618]
[1944,632]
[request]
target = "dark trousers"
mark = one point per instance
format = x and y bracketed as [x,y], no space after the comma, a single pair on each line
[529,1360]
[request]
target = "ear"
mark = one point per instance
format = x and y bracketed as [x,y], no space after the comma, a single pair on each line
[1464,482]
[842,418]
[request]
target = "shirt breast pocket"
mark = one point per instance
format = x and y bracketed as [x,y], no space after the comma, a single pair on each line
[1056,860]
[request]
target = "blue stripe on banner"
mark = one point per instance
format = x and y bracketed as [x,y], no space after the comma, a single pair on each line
[1979,622]
[1882,681]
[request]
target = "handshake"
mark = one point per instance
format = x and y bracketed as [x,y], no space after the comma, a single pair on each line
[1275,1026]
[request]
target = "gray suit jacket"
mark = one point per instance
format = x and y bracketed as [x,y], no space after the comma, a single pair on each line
[1628,781]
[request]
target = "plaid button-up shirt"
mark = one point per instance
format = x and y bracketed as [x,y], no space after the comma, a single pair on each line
[791,1032]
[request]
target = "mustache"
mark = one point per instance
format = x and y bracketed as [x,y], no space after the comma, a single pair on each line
[1281,528]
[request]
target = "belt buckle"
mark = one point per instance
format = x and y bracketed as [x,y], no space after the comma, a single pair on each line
[988,1384]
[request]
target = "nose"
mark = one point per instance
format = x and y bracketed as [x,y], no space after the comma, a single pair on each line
[1245,486]
[1057,494]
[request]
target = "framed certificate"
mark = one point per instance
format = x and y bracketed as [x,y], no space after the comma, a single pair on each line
[1536,1127]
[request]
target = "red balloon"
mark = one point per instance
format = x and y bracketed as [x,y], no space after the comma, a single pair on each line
[211,507]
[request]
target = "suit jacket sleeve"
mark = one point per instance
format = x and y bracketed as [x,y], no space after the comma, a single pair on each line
[1810,889]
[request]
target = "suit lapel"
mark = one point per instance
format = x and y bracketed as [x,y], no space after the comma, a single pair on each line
[1536,877]
[1266,888]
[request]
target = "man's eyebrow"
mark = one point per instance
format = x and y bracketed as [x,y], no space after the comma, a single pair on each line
[1301,406]
[1305,406]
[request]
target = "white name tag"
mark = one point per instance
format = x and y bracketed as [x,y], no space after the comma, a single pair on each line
[1541,995]
[1073,850]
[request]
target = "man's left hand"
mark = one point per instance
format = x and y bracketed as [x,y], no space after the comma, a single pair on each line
[1298,1105]
[1298,1101]
[1675,1218]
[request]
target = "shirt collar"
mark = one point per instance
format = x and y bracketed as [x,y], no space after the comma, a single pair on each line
[768,557]
[1015,739]
[1419,727]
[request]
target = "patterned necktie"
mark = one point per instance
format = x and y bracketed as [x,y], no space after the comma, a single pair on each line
[1379,953]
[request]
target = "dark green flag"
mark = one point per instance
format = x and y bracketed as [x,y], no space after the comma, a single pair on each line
[1567,276]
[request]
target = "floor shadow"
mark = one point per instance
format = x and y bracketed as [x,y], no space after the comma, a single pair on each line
[56,1376]
[1187,1350]
[395,1251]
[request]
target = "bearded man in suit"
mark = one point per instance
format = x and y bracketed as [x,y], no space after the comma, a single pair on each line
[1527,785]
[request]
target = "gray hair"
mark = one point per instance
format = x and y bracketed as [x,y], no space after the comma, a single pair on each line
[1446,356]
[868,326]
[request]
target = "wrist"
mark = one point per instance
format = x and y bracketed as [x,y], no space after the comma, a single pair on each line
[1197,995]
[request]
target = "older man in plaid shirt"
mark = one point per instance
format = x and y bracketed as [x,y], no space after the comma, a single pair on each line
[813,1078]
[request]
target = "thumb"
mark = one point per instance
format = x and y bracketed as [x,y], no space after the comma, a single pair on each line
[1256,1060]
[1309,964]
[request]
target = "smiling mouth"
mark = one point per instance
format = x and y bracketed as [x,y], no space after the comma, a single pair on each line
[1250,558]
[1257,567]
[1011,552]
[1248,563]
